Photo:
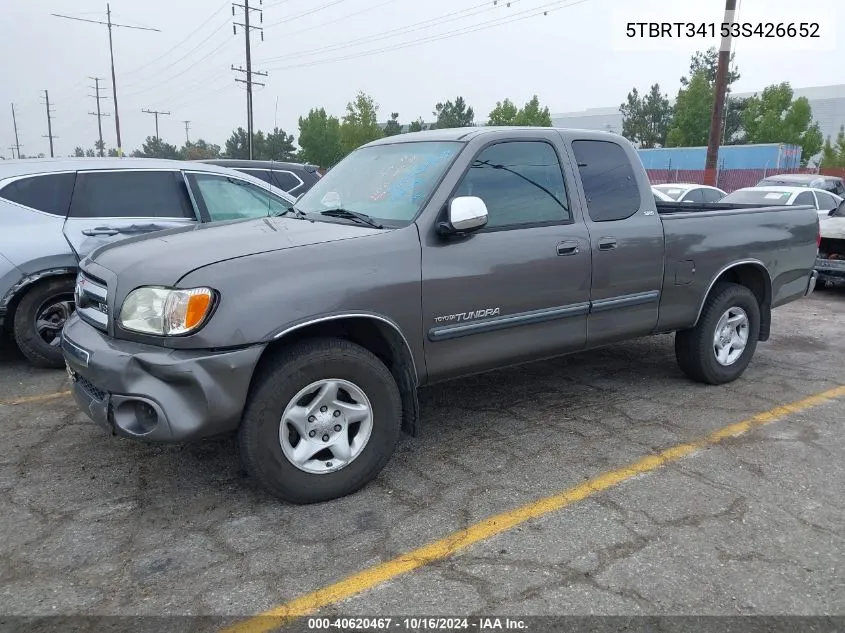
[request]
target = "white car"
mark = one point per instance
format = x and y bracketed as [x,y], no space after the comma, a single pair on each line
[659,196]
[823,201]
[690,192]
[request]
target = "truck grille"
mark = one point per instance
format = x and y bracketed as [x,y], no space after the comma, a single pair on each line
[98,394]
[91,298]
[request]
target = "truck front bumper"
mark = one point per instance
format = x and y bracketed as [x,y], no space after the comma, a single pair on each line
[155,393]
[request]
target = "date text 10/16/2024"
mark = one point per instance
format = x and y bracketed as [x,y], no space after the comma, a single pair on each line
[417,624]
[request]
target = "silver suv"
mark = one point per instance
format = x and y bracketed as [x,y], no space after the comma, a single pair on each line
[55,212]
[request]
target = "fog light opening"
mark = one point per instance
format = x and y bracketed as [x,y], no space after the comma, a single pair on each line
[136,417]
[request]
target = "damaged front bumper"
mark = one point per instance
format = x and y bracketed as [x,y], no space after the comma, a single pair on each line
[155,393]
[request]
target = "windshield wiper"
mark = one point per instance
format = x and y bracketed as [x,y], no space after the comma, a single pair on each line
[298,213]
[352,215]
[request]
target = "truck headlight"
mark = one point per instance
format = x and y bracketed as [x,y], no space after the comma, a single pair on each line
[166,311]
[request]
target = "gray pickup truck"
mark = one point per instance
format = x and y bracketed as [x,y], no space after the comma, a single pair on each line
[417,259]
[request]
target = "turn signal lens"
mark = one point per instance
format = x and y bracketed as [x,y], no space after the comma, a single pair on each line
[166,311]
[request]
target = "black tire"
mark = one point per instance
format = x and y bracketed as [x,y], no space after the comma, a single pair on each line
[278,380]
[37,350]
[694,348]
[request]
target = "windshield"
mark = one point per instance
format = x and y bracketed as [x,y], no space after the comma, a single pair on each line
[669,190]
[389,183]
[751,196]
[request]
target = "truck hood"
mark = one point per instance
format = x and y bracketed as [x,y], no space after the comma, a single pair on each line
[167,256]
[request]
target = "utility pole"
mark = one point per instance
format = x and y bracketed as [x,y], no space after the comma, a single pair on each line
[187,127]
[49,122]
[155,113]
[108,23]
[719,100]
[98,114]
[17,145]
[248,70]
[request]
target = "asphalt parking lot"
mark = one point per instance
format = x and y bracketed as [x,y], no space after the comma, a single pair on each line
[751,525]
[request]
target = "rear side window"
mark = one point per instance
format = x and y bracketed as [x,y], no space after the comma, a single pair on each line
[49,193]
[805,198]
[608,178]
[826,201]
[285,180]
[711,195]
[131,194]
[262,174]
[694,195]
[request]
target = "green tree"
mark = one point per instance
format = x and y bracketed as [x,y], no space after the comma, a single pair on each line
[708,63]
[504,113]
[237,145]
[531,114]
[319,138]
[89,153]
[393,127]
[78,152]
[450,114]
[774,117]
[691,119]
[646,120]
[833,154]
[360,123]
[113,153]
[734,130]
[278,145]
[199,150]
[417,126]
[154,147]
[100,146]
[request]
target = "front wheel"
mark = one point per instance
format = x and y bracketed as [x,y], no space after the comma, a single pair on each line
[322,420]
[718,349]
[39,319]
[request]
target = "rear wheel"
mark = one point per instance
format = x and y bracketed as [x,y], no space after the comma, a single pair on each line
[720,347]
[322,420]
[39,319]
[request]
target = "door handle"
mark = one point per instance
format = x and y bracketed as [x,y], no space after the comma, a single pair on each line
[100,230]
[567,248]
[607,244]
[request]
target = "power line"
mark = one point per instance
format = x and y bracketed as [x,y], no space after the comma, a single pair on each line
[523,15]
[339,19]
[248,70]
[110,25]
[49,122]
[98,114]
[156,113]
[17,145]
[304,13]
[175,46]
[476,9]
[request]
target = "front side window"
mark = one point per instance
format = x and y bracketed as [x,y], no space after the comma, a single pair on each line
[389,182]
[285,180]
[229,198]
[608,178]
[520,182]
[49,193]
[262,174]
[131,194]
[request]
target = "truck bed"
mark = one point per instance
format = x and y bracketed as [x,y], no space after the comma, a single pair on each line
[671,208]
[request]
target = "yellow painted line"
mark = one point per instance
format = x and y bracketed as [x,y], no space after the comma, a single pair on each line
[492,526]
[39,398]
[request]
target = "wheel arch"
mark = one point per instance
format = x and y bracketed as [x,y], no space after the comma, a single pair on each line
[14,295]
[376,333]
[753,274]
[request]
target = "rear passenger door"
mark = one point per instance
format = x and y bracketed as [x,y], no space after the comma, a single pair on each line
[111,205]
[221,198]
[626,239]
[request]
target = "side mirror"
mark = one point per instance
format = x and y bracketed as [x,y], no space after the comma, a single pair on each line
[465,214]
[838,212]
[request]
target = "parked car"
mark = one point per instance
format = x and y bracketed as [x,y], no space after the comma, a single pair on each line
[54,212]
[832,184]
[690,192]
[822,201]
[659,196]
[417,259]
[294,178]
[830,263]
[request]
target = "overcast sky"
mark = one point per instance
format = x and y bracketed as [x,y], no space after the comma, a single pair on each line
[574,57]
